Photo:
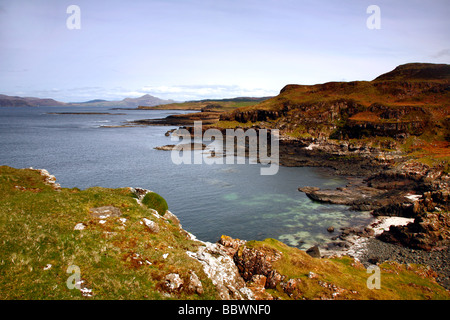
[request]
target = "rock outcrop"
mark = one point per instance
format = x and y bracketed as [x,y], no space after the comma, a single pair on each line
[431,227]
[220,268]
[105,212]
[182,146]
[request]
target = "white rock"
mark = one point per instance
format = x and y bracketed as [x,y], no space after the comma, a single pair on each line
[391,221]
[173,281]
[86,292]
[312,146]
[79,226]
[48,266]
[151,225]
[413,197]
[222,271]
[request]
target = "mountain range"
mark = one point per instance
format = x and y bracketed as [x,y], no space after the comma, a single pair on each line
[15,101]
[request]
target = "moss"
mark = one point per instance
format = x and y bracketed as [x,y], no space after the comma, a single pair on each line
[155,201]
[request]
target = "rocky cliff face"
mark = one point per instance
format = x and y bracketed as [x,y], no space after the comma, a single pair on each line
[220,268]
[431,227]
[412,100]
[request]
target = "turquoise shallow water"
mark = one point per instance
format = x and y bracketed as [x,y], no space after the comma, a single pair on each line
[210,200]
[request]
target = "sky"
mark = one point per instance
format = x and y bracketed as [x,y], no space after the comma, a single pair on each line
[198,49]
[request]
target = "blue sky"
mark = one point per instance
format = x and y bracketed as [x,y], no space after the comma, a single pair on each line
[196,49]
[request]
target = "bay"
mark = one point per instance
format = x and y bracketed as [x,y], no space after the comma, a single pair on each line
[210,200]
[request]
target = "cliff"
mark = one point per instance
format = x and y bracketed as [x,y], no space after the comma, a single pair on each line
[100,243]
[404,110]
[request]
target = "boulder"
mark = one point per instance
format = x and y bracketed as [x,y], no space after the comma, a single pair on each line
[182,146]
[314,252]
[194,285]
[173,218]
[151,225]
[222,271]
[105,212]
[173,282]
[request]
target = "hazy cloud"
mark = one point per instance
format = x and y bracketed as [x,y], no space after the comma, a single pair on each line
[194,92]
[226,48]
[442,53]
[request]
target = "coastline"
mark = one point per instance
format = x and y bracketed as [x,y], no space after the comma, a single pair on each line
[180,265]
[398,193]
[369,250]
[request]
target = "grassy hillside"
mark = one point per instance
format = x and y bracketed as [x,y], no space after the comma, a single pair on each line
[118,259]
[341,278]
[411,84]
[409,106]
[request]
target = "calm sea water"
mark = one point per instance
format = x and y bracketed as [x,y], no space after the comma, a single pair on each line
[210,200]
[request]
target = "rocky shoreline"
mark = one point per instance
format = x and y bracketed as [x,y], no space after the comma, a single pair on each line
[377,251]
[407,189]
[388,184]
[364,245]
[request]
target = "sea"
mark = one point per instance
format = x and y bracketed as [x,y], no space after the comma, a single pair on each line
[87,150]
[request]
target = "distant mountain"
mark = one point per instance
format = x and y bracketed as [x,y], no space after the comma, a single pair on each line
[147,100]
[14,101]
[92,101]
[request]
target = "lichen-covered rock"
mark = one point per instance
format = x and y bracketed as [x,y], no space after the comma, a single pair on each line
[49,178]
[220,268]
[195,285]
[173,282]
[173,218]
[151,225]
[105,212]
[230,245]
[252,262]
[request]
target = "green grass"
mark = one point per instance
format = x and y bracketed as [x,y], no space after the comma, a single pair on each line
[37,228]
[217,105]
[402,282]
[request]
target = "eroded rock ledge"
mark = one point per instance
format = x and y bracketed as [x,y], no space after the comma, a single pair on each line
[410,190]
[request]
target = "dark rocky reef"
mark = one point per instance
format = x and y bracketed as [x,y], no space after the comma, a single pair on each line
[431,226]
[412,191]
[188,119]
